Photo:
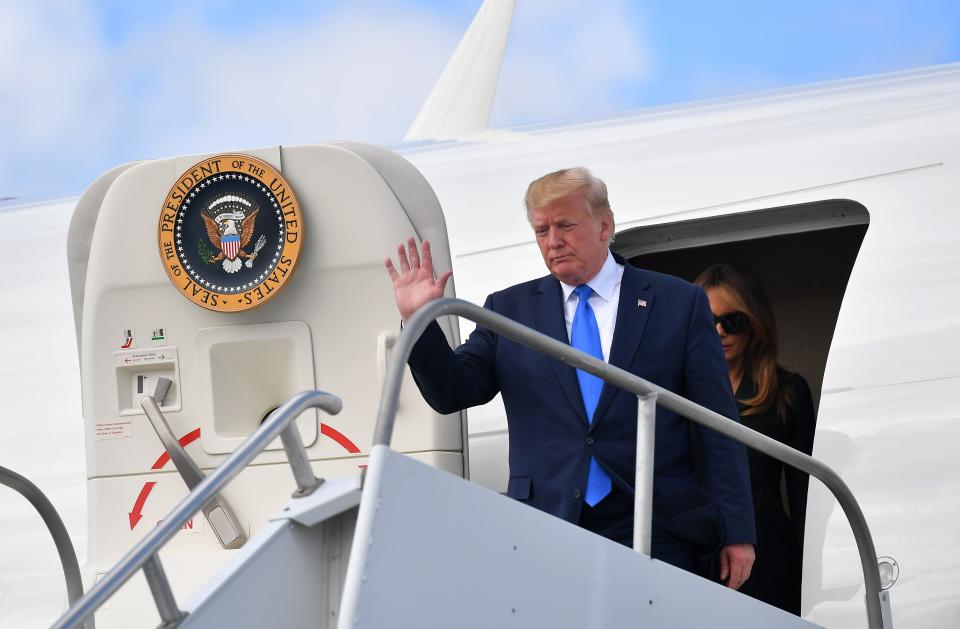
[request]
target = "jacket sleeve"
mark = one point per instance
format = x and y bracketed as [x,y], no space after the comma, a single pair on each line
[707,382]
[451,380]
[801,424]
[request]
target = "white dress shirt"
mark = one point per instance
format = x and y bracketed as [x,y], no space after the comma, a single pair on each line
[603,301]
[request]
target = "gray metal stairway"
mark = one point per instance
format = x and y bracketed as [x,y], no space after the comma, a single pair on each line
[431,550]
[407,545]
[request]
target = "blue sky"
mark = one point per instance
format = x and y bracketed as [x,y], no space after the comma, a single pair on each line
[87,85]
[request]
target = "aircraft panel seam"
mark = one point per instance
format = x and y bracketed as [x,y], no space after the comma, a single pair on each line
[886,385]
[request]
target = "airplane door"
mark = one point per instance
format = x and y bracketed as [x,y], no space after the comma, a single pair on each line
[243,278]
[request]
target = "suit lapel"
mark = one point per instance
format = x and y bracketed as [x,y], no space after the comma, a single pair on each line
[633,311]
[550,321]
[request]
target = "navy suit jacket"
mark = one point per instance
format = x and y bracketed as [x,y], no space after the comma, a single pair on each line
[670,341]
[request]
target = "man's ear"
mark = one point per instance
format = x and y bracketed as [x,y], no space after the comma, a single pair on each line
[606,227]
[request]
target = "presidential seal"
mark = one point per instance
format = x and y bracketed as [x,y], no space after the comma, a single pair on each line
[230,233]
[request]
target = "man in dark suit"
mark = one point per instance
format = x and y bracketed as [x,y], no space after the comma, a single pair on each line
[572,438]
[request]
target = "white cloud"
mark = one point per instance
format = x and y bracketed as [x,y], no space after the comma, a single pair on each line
[47,61]
[569,58]
[176,86]
[52,99]
[80,105]
[350,74]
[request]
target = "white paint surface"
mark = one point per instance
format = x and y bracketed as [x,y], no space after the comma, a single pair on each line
[887,419]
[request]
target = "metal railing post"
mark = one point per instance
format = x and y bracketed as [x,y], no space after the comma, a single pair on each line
[643,486]
[170,615]
[299,460]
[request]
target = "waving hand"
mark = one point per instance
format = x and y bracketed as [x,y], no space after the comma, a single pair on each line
[414,285]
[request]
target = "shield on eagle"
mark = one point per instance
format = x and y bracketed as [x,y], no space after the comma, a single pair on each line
[230,244]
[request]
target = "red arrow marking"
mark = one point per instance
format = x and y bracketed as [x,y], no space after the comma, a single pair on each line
[192,436]
[137,512]
[185,440]
[340,438]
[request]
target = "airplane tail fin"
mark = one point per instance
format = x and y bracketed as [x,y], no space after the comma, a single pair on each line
[461,100]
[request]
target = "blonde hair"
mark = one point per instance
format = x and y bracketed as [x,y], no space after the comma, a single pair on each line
[743,290]
[562,183]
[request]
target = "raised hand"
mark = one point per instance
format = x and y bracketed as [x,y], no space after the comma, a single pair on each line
[414,285]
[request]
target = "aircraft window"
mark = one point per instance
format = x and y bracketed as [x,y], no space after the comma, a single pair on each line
[802,253]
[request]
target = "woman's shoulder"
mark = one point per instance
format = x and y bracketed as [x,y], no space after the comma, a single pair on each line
[795,389]
[791,380]
[799,413]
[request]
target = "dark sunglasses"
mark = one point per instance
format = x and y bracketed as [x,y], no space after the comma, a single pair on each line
[733,323]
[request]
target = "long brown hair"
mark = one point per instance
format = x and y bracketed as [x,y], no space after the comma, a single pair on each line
[746,294]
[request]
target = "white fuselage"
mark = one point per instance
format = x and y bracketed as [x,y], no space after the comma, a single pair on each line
[887,416]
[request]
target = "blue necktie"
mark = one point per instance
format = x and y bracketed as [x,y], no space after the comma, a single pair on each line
[585,336]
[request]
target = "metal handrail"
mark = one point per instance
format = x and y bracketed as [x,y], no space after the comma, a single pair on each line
[61,538]
[544,344]
[145,550]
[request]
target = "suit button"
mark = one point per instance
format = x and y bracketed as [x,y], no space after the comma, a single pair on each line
[576,494]
[589,441]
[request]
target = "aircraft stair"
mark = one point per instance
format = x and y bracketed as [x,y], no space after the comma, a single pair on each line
[408,545]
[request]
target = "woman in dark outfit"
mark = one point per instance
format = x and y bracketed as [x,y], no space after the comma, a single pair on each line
[777,403]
